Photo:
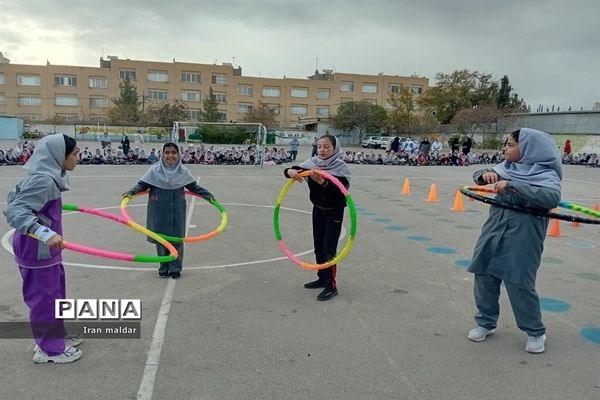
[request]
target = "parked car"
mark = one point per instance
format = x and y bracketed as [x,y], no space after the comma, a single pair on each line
[374,142]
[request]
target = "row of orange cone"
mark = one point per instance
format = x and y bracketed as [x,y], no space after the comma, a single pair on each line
[432,197]
[458,205]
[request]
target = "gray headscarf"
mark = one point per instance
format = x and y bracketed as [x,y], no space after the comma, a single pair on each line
[168,177]
[48,159]
[334,165]
[540,163]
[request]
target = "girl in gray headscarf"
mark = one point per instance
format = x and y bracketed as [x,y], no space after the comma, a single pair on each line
[34,210]
[328,209]
[510,247]
[166,210]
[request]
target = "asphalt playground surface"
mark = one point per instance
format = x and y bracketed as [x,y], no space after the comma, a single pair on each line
[240,325]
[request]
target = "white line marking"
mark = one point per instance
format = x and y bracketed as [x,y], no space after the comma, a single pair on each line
[158,336]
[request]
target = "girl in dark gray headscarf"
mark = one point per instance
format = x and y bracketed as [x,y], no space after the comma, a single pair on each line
[510,247]
[166,210]
[328,209]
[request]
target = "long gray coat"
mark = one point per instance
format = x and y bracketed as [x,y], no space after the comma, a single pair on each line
[167,207]
[511,242]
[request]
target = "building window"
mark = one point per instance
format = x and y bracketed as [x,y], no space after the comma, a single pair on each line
[66,100]
[245,90]
[28,80]
[2,98]
[244,108]
[345,100]
[69,117]
[394,88]
[388,106]
[158,76]
[2,81]
[97,82]
[98,118]
[323,94]
[127,74]
[323,111]
[416,89]
[299,92]
[347,87]
[191,77]
[30,116]
[30,100]
[299,109]
[65,80]
[98,102]
[369,88]
[372,101]
[219,79]
[159,95]
[271,91]
[191,95]
[221,97]
[193,114]
[222,116]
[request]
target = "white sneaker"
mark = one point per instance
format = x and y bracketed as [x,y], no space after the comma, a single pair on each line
[70,340]
[536,344]
[73,340]
[69,355]
[479,334]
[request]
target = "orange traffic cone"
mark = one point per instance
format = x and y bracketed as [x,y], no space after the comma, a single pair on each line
[554,230]
[406,188]
[432,197]
[458,202]
[597,207]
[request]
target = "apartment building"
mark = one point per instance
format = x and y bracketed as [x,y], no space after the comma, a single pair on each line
[83,94]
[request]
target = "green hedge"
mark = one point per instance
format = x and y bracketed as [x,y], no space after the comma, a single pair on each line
[222,134]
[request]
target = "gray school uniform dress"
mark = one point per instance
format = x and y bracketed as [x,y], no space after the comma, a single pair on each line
[511,243]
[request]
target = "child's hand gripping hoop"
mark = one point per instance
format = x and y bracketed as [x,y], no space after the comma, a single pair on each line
[117,255]
[349,243]
[173,239]
[475,192]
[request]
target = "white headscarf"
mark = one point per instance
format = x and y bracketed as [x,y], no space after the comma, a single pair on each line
[48,159]
[168,177]
[334,165]
[540,163]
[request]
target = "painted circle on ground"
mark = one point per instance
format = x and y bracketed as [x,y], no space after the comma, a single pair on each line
[592,276]
[552,260]
[591,333]
[462,263]
[580,245]
[396,228]
[419,238]
[441,250]
[553,305]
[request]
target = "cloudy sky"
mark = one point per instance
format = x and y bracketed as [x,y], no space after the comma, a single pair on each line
[550,49]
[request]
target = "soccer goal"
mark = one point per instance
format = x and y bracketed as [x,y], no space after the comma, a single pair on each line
[252,136]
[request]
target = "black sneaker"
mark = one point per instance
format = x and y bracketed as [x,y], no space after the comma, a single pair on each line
[315,284]
[327,294]
[175,275]
[163,274]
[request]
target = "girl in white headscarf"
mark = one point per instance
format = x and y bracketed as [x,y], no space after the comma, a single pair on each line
[328,208]
[166,181]
[510,247]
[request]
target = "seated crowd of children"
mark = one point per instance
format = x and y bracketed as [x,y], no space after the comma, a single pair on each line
[589,160]
[454,158]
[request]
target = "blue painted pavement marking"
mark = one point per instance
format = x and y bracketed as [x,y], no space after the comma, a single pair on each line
[553,305]
[591,333]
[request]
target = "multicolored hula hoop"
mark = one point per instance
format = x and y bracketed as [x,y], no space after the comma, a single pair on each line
[117,255]
[174,239]
[472,191]
[349,243]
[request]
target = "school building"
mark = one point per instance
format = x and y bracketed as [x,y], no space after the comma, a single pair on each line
[79,94]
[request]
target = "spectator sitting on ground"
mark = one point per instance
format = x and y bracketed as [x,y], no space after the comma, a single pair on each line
[152,158]
[142,158]
[97,158]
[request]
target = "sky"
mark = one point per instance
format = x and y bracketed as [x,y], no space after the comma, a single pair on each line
[550,50]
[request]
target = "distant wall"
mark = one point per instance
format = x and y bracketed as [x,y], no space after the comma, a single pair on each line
[11,127]
[569,122]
